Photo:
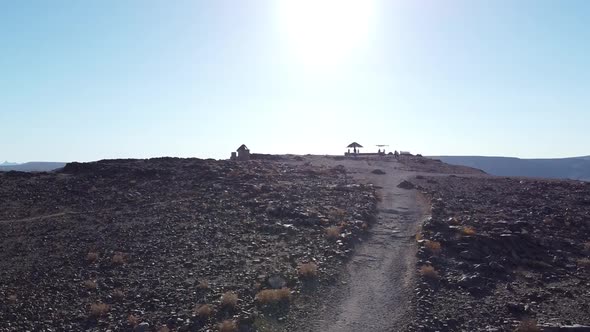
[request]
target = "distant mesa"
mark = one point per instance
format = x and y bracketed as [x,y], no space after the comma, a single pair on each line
[576,168]
[36,166]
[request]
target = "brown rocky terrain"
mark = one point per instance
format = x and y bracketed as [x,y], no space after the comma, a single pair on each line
[498,252]
[126,245]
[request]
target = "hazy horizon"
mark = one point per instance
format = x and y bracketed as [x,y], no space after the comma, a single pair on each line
[138,79]
[440,155]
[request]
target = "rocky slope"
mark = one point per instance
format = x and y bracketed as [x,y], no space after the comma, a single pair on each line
[500,254]
[127,245]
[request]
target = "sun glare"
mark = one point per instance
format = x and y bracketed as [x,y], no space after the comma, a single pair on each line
[325,32]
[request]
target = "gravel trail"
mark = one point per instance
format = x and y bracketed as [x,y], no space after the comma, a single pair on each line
[376,290]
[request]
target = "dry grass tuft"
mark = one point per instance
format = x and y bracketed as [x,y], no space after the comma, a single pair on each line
[419,236]
[433,246]
[12,299]
[99,309]
[164,329]
[528,325]
[133,320]
[333,233]
[587,246]
[273,296]
[92,257]
[228,326]
[90,284]
[428,271]
[308,270]
[584,263]
[337,214]
[203,311]
[365,226]
[118,258]
[203,284]
[229,300]
[118,294]
[468,230]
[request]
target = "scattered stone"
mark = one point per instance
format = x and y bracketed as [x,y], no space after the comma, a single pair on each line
[406,185]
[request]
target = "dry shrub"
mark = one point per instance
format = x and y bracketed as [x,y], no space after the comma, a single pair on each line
[283,294]
[133,320]
[203,284]
[428,271]
[119,258]
[90,284]
[365,226]
[204,311]
[433,246]
[229,300]
[584,263]
[92,257]
[228,326]
[273,296]
[164,329]
[587,246]
[12,299]
[333,233]
[468,230]
[118,294]
[528,325]
[419,236]
[99,309]
[308,270]
[337,214]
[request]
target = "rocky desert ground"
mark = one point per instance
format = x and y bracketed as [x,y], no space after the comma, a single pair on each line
[170,244]
[504,254]
[291,243]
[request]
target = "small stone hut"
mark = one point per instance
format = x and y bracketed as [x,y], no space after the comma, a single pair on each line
[243,153]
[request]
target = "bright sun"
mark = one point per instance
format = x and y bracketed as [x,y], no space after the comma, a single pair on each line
[325,32]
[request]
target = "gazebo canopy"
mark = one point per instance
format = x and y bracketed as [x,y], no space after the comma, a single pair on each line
[354,145]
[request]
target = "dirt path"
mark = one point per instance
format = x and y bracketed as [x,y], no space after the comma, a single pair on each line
[376,290]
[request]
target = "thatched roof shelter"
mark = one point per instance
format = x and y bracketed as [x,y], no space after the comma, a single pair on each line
[354,145]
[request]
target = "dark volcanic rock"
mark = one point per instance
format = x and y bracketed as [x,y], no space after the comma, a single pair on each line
[509,249]
[406,185]
[112,244]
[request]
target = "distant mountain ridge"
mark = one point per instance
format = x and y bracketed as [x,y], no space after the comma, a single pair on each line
[35,166]
[575,168]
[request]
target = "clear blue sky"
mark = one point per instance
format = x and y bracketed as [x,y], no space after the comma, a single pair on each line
[87,80]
